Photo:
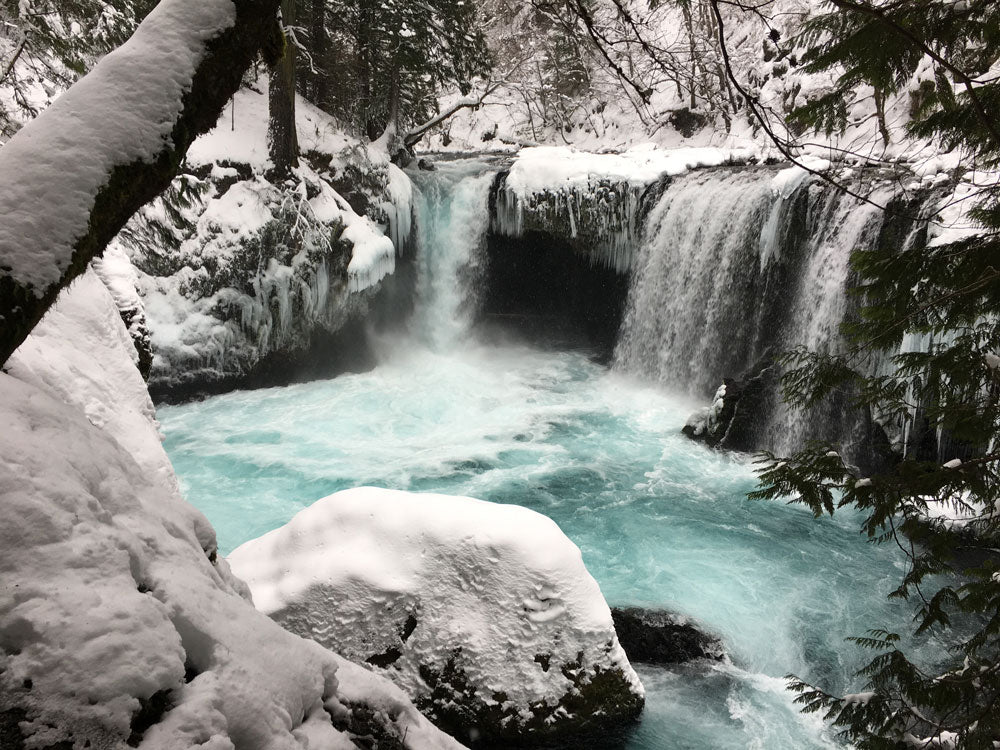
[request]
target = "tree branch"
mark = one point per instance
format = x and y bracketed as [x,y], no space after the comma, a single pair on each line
[413,135]
[52,229]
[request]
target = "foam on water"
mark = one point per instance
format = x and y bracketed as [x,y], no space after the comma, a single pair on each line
[661,521]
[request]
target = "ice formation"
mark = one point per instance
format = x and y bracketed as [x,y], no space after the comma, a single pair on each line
[252,267]
[433,587]
[117,621]
[595,196]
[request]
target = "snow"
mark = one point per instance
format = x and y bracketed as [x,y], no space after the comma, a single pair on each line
[953,223]
[787,180]
[501,582]
[955,463]
[241,136]
[858,699]
[555,168]
[72,147]
[598,196]
[216,304]
[82,329]
[111,593]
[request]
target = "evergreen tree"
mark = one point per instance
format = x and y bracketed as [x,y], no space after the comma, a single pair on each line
[948,392]
[45,45]
[380,65]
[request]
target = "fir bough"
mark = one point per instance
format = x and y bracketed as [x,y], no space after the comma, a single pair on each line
[943,393]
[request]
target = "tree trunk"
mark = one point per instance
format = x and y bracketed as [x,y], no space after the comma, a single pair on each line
[282,141]
[64,241]
[320,44]
[364,48]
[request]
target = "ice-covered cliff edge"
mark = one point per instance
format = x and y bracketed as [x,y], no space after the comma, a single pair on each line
[240,273]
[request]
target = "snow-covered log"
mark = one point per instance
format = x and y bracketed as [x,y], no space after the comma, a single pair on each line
[73,176]
[483,613]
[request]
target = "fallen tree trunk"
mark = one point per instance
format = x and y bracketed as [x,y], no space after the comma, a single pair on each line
[71,178]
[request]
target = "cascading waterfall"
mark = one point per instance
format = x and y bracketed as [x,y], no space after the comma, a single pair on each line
[738,266]
[838,225]
[452,220]
[689,319]
[736,263]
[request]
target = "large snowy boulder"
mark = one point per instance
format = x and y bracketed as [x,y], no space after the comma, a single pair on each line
[118,622]
[483,613]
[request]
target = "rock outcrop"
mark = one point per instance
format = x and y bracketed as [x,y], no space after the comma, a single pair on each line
[246,281]
[483,613]
[652,636]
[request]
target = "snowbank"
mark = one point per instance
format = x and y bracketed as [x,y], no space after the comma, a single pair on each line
[117,621]
[483,613]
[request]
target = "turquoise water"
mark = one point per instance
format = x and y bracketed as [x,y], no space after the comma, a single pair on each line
[662,522]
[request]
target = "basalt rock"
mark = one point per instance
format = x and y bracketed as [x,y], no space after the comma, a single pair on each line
[652,636]
[733,420]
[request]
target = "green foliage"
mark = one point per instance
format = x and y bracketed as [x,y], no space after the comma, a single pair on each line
[924,360]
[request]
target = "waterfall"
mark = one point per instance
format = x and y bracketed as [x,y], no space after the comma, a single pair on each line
[736,267]
[452,220]
[838,225]
[692,316]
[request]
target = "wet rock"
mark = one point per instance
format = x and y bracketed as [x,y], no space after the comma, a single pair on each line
[734,419]
[653,636]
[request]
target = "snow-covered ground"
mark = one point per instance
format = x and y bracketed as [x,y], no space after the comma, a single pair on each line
[117,619]
[425,584]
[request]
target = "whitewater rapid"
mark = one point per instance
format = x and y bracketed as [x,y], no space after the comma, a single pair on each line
[662,522]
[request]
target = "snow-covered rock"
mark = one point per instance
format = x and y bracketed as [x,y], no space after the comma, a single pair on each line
[483,613]
[592,200]
[241,275]
[118,623]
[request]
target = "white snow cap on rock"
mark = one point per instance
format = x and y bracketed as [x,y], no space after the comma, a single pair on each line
[501,582]
[556,168]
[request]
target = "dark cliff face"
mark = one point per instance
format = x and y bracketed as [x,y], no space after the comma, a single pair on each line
[539,289]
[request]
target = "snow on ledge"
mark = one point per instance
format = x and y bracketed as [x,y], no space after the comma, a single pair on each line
[554,168]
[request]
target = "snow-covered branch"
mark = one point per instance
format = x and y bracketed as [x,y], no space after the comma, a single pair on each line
[413,136]
[71,178]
